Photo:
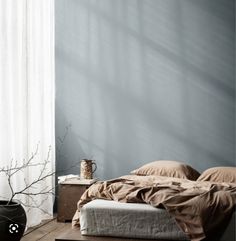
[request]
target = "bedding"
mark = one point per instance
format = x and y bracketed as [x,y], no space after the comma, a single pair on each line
[219,174]
[131,220]
[167,168]
[199,208]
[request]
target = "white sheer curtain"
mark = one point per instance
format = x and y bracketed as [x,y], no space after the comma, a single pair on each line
[27,97]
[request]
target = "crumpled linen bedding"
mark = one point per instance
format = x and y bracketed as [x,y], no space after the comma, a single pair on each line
[199,208]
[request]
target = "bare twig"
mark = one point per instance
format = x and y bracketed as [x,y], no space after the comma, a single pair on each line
[31,188]
[41,177]
[62,139]
[12,169]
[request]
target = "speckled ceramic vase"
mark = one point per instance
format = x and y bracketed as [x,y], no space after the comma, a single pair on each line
[86,168]
[12,221]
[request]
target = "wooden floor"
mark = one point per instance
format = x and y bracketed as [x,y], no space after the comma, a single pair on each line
[46,231]
[52,230]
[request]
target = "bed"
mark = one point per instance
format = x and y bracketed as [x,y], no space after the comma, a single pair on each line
[160,207]
[109,218]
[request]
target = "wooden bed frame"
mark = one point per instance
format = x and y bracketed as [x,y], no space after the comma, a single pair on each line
[75,235]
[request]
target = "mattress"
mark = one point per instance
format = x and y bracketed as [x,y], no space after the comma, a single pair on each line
[131,220]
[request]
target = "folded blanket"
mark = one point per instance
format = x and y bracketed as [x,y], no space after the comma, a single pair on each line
[198,207]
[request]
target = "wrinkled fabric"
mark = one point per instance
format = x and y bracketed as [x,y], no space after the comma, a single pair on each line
[198,207]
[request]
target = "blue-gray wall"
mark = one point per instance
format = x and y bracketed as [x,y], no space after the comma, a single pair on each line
[141,80]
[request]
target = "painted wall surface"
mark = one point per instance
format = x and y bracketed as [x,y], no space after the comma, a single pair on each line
[141,80]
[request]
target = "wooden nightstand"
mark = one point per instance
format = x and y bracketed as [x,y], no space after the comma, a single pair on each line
[69,193]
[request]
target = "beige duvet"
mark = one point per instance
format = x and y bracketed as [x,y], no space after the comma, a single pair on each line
[198,207]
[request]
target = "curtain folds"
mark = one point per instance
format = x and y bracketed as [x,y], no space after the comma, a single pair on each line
[27,98]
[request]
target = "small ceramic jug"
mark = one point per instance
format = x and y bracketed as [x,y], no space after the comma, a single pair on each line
[86,168]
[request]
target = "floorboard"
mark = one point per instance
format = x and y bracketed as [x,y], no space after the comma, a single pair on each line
[47,231]
[55,231]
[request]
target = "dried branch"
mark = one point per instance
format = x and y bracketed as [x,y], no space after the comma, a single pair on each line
[11,170]
[41,177]
[62,139]
[30,188]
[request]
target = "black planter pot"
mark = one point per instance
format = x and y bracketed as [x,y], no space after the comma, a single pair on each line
[12,221]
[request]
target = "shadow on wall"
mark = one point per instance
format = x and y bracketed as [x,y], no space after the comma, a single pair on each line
[145,80]
[68,148]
